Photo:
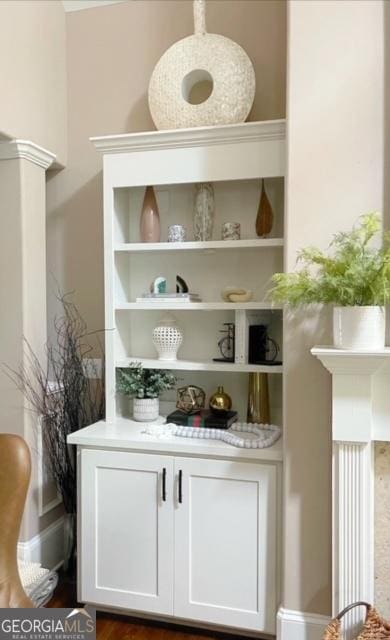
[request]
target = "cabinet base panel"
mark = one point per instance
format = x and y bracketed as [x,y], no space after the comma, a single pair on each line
[176,623]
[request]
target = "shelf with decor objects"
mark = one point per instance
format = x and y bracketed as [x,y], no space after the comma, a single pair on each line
[202,246]
[152,191]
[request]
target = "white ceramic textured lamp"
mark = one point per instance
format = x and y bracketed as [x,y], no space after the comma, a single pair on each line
[167,338]
[204,79]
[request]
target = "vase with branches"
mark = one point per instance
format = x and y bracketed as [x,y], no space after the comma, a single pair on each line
[66,397]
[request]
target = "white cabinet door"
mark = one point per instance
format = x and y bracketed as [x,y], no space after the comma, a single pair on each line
[127,530]
[225,543]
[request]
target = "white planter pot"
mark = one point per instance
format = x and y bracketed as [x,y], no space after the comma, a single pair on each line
[145,409]
[359,328]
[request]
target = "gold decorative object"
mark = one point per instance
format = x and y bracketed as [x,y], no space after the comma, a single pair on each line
[265,214]
[220,401]
[190,399]
[236,294]
[258,399]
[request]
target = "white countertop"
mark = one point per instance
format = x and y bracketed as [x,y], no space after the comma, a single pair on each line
[129,435]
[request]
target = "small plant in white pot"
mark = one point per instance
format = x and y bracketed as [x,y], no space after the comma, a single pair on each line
[353,275]
[145,386]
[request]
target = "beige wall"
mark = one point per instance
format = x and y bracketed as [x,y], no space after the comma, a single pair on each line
[22,286]
[33,73]
[32,107]
[112,51]
[335,173]
[382,450]
[382,528]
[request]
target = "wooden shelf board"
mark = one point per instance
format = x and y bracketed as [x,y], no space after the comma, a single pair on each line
[194,365]
[196,306]
[210,245]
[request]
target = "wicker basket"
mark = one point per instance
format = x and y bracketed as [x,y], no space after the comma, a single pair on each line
[375,627]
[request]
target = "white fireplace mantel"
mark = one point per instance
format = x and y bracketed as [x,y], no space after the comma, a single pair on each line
[360,416]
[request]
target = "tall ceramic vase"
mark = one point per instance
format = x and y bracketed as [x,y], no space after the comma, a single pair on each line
[258,399]
[150,218]
[204,209]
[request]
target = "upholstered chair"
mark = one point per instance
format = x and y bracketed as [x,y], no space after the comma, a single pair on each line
[15,470]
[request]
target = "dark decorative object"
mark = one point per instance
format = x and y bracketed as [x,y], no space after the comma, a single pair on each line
[181,285]
[220,401]
[226,344]
[206,419]
[258,399]
[190,399]
[265,214]
[262,348]
[79,401]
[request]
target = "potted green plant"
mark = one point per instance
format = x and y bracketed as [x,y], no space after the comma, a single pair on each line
[145,387]
[354,276]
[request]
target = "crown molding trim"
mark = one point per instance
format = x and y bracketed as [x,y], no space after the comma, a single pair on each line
[194,137]
[78,5]
[26,150]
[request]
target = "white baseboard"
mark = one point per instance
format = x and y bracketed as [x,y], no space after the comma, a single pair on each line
[47,547]
[296,625]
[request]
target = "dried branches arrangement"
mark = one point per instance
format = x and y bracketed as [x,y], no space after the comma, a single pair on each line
[62,395]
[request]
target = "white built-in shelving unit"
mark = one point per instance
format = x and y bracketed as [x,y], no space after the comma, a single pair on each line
[234,158]
[186,530]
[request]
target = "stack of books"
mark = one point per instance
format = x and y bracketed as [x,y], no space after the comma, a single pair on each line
[204,418]
[169,297]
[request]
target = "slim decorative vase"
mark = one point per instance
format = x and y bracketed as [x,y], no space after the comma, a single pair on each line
[265,215]
[258,399]
[204,210]
[150,218]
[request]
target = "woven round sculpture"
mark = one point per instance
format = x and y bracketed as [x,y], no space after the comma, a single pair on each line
[374,628]
[190,399]
[204,79]
[167,338]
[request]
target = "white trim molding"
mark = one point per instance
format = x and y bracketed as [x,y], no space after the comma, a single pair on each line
[360,415]
[47,547]
[26,150]
[79,5]
[193,137]
[297,625]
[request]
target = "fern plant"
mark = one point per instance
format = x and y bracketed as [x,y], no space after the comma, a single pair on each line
[351,273]
[136,382]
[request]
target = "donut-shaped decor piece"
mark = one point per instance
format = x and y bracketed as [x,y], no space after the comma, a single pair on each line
[204,79]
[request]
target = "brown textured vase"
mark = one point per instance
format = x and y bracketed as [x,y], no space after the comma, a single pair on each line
[265,215]
[150,218]
[258,399]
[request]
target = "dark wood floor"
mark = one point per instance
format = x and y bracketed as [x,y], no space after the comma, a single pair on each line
[113,627]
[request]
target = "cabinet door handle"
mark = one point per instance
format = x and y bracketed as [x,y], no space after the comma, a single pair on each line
[164,484]
[180,487]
